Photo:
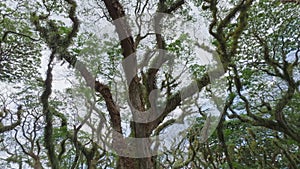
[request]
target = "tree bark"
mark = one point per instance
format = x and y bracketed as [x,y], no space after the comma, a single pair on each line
[116,12]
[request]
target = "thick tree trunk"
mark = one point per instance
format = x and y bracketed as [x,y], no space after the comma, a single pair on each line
[135,163]
[125,163]
[116,11]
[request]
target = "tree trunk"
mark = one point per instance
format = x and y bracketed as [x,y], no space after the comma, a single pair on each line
[140,130]
[135,163]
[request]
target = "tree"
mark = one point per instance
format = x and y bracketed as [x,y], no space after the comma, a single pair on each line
[252,40]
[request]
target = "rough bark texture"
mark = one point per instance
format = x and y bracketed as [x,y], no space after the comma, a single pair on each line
[142,130]
[115,10]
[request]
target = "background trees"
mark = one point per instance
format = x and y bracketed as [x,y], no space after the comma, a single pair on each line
[44,125]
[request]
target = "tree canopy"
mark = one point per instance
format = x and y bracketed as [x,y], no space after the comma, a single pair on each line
[149,84]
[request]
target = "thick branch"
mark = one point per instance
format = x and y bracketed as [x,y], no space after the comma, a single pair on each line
[14,125]
[48,133]
[174,6]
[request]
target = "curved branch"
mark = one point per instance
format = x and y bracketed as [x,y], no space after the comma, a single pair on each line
[6,33]
[14,125]
[48,133]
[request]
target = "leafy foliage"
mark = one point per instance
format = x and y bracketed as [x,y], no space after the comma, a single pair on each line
[257,42]
[19,49]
